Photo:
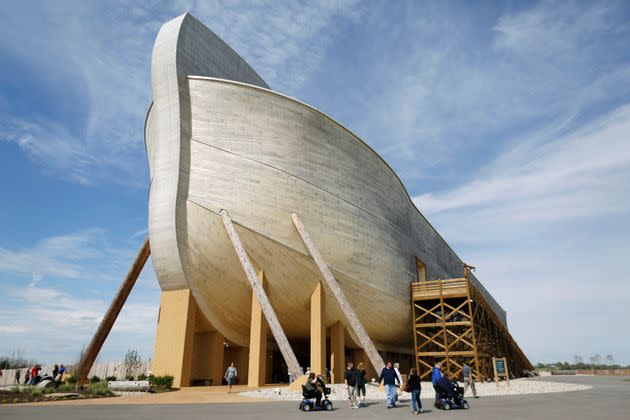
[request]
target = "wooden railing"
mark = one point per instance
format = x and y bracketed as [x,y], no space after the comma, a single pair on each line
[438,286]
[480,320]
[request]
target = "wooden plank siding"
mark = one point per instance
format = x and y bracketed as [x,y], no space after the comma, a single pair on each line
[234,144]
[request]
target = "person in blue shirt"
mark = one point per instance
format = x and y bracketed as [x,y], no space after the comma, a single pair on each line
[390,381]
[436,375]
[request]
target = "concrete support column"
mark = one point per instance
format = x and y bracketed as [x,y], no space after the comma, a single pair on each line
[209,359]
[257,342]
[318,330]
[240,359]
[337,352]
[217,350]
[175,336]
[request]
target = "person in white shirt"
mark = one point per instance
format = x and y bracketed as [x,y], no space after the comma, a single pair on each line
[397,369]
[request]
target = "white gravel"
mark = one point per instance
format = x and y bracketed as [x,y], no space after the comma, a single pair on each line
[339,393]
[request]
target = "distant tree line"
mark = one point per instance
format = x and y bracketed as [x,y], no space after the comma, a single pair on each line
[595,362]
[15,361]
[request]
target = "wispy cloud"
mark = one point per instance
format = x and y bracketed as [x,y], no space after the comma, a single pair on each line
[463,87]
[576,175]
[98,56]
[58,151]
[546,29]
[546,225]
[68,322]
[85,254]
[58,256]
[72,279]
[284,41]
[509,125]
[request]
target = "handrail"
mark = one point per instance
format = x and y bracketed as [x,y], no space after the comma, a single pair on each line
[434,289]
[437,285]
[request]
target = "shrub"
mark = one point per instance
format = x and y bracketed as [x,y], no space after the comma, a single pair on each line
[162,382]
[129,377]
[111,378]
[94,379]
[142,377]
[99,388]
[66,388]
[71,380]
[131,362]
[36,392]
[16,389]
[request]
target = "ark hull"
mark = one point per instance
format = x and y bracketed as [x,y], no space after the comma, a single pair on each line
[234,144]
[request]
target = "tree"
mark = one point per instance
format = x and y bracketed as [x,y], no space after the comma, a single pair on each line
[596,359]
[131,362]
[577,359]
[610,360]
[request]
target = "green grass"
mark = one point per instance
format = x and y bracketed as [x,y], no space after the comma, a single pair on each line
[66,388]
[99,388]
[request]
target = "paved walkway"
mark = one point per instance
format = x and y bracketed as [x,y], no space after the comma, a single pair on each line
[608,399]
[193,395]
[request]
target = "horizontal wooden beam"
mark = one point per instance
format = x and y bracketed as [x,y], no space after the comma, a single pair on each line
[443,353]
[439,324]
[420,296]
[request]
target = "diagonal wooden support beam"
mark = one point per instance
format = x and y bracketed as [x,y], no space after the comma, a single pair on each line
[429,339]
[457,310]
[87,360]
[346,308]
[265,305]
[429,312]
[461,338]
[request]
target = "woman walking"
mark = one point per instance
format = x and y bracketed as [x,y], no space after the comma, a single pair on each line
[360,384]
[230,376]
[413,381]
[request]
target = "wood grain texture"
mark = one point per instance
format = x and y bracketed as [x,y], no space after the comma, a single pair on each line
[220,144]
[337,292]
[308,162]
[261,296]
[184,46]
[220,289]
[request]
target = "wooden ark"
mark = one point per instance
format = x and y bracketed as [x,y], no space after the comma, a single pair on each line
[218,138]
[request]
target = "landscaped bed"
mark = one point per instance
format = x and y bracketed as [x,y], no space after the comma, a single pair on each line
[22,394]
[97,388]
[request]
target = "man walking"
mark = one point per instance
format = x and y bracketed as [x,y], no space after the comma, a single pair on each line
[469,380]
[350,377]
[390,379]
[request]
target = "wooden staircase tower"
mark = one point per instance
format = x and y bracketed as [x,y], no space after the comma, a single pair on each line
[453,323]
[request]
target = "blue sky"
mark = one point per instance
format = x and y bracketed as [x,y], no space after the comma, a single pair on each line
[508,122]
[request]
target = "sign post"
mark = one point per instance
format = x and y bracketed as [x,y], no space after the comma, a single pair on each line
[500,369]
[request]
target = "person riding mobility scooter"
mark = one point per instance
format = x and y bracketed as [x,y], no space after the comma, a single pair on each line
[315,387]
[449,395]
